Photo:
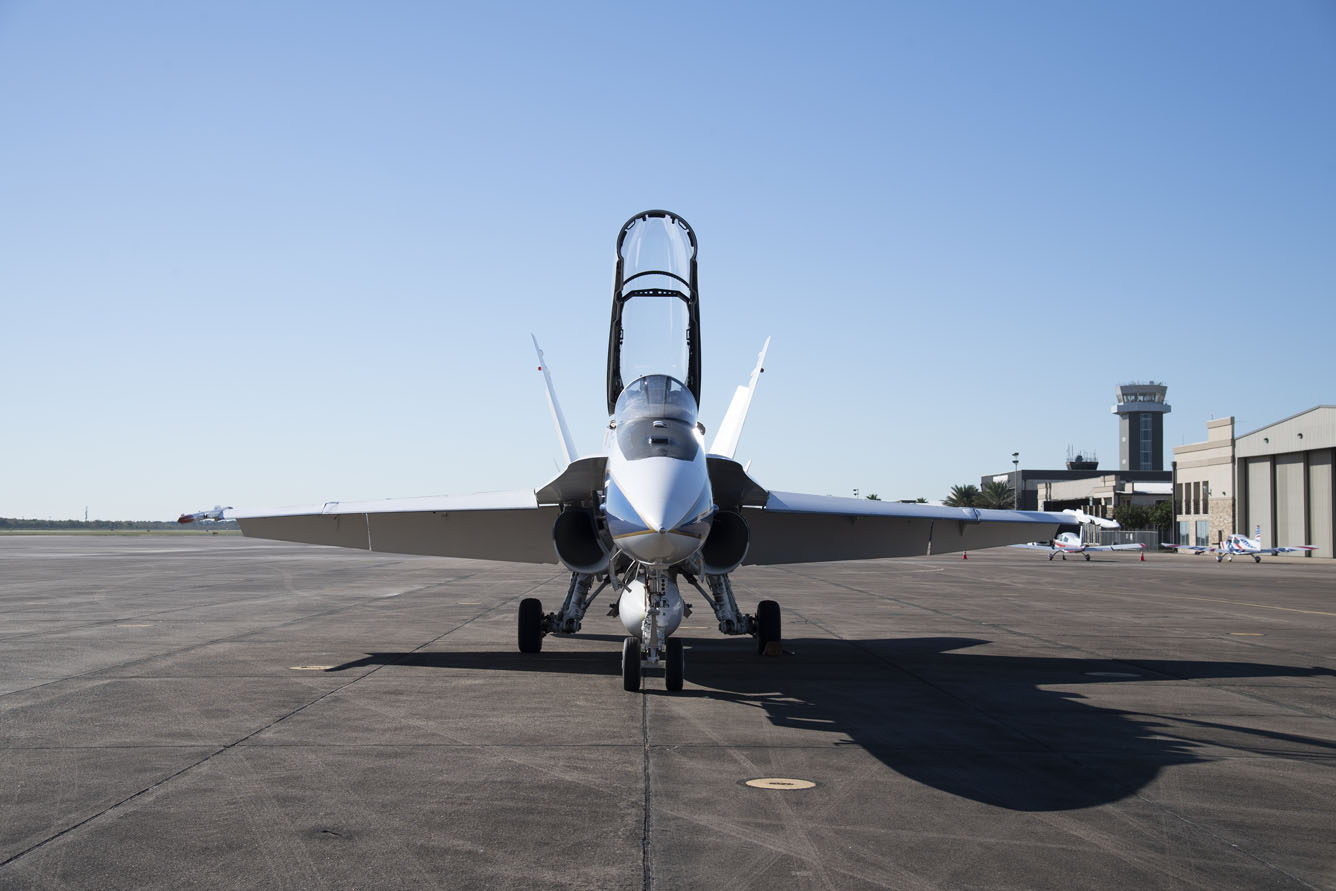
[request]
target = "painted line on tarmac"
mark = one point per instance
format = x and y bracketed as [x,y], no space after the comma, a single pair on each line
[1288,609]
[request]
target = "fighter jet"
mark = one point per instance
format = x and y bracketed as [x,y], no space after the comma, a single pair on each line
[656,509]
[1236,543]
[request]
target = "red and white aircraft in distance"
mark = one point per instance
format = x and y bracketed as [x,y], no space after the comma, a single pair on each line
[1071,543]
[657,510]
[1237,543]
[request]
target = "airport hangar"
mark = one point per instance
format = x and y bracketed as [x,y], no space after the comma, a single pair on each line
[1278,479]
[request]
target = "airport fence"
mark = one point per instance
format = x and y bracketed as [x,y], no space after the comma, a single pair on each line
[1149,538]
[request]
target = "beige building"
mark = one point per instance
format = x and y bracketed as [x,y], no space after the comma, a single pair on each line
[1276,482]
[1204,486]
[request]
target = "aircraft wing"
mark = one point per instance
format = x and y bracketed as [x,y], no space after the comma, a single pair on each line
[796,528]
[1034,546]
[1196,549]
[1134,546]
[510,526]
[1297,549]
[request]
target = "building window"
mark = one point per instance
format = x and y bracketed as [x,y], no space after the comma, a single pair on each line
[1205,497]
[1183,527]
[1147,440]
[1196,498]
[1203,533]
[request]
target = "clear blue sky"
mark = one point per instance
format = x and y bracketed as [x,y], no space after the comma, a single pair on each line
[260,254]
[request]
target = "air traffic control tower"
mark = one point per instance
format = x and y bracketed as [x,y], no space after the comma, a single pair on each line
[1141,409]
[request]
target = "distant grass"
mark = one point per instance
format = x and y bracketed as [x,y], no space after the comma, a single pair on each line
[137,532]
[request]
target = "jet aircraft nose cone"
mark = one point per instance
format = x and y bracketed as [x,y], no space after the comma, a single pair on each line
[658,509]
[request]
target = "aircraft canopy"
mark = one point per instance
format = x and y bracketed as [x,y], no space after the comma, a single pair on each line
[655,316]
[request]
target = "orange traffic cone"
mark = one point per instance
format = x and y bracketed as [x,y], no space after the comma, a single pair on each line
[964,555]
[1143,556]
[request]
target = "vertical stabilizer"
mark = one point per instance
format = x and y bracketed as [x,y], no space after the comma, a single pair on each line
[726,440]
[558,419]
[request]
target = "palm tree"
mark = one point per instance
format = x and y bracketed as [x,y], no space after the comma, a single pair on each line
[962,496]
[996,495]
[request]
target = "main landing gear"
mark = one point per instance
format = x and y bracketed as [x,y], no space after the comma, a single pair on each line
[653,647]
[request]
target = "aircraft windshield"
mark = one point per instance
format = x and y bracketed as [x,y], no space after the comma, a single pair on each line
[656,417]
[656,255]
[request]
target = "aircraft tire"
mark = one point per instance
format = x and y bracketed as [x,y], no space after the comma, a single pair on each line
[1087,556]
[631,665]
[530,625]
[1219,558]
[672,666]
[1050,557]
[767,625]
[1257,559]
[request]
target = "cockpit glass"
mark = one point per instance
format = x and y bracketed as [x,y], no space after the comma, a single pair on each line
[656,417]
[657,245]
[656,257]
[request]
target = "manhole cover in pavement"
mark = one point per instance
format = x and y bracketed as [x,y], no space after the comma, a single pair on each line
[779,783]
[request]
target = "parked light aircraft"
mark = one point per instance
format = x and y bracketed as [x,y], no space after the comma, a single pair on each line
[1070,542]
[656,508]
[1236,543]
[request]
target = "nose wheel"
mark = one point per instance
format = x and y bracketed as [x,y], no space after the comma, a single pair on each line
[673,664]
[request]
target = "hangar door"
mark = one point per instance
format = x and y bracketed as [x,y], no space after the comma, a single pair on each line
[1291,511]
[1258,511]
[1321,516]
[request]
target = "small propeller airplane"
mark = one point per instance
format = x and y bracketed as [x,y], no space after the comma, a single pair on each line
[656,508]
[1070,542]
[1236,543]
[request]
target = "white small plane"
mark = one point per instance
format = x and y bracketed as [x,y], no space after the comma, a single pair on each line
[1070,542]
[657,507]
[1236,543]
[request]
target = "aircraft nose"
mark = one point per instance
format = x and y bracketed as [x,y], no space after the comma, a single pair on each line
[660,517]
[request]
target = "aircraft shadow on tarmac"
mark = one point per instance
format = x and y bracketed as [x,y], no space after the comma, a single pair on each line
[978,726]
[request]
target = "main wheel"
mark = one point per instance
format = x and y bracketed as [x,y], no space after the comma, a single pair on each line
[1050,557]
[1257,558]
[672,666]
[530,625]
[1087,558]
[767,628]
[631,665]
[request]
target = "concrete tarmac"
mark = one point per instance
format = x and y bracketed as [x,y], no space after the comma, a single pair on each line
[214,712]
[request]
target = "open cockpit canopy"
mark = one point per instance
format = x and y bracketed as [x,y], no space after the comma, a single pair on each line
[655,312]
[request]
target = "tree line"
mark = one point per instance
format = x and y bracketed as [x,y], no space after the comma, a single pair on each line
[996,495]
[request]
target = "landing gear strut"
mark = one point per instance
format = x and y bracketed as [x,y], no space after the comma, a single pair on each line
[764,626]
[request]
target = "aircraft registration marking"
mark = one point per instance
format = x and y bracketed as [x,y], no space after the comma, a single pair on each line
[781,784]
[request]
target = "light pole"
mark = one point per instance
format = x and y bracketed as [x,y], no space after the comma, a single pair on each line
[1016,480]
